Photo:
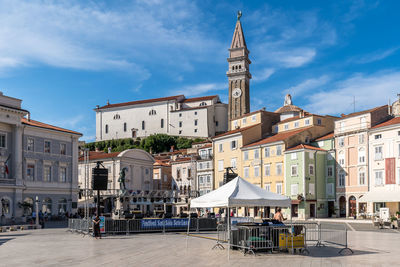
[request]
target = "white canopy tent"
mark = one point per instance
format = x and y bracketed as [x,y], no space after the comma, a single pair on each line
[238,193]
[377,196]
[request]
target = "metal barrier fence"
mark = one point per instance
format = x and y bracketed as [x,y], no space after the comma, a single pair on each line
[297,235]
[144,225]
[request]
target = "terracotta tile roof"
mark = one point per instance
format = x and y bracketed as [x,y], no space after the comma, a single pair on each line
[142,101]
[94,155]
[182,159]
[236,130]
[46,126]
[205,146]
[202,98]
[325,137]
[302,146]
[162,163]
[362,112]
[278,137]
[288,108]
[392,121]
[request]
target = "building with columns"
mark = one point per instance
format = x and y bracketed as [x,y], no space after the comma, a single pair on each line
[37,160]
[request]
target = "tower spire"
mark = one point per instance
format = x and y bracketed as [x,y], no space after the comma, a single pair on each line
[238,40]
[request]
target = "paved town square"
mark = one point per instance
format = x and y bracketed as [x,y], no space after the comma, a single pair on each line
[57,247]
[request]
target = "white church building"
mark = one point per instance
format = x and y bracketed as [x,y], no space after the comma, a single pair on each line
[175,115]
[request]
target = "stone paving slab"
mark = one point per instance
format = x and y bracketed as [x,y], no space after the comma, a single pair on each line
[56,247]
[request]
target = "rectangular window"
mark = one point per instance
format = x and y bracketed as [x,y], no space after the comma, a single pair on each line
[253,118]
[267,152]
[330,171]
[195,130]
[267,170]
[233,162]
[195,122]
[279,188]
[311,170]
[47,146]
[30,172]
[294,189]
[233,144]
[378,152]
[162,123]
[257,171]
[268,187]
[329,189]
[311,155]
[379,178]
[125,127]
[311,188]
[296,124]
[361,158]
[278,150]
[361,178]
[244,120]
[256,154]
[143,125]
[246,172]
[361,139]
[47,174]
[246,155]
[220,148]
[341,141]
[30,144]
[235,124]
[378,136]
[319,121]
[294,170]
[293,156]
[307,122]
[63,174]
[180,124]
[279,169]
[63,149]
[220,165]
[3,140]
[342,179]
[286,126]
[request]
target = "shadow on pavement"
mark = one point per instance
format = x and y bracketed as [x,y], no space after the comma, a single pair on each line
[331,252]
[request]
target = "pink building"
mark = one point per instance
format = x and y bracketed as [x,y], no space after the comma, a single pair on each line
[351,142]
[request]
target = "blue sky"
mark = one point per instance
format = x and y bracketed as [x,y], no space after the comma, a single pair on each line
[66,57]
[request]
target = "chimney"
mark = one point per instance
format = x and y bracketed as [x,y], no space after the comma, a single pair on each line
[389,108]
[109,150]
[108,102]
[29,116]
[264,109]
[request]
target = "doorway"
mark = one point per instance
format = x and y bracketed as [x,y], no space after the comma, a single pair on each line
[352,206]
[331,208]
[342,206]
[312,210]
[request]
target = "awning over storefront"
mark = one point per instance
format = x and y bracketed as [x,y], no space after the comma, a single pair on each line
[377,196]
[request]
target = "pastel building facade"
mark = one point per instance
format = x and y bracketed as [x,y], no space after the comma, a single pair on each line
[351,142]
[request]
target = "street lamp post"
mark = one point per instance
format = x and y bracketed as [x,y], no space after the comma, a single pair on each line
[37,211]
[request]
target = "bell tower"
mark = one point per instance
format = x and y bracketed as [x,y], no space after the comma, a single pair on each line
[238,74]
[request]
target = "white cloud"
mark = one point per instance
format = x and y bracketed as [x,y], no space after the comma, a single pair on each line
[263,75]
[375,56]
[199,89]
[100,36]
[307,85]
[370,90]
[294,58]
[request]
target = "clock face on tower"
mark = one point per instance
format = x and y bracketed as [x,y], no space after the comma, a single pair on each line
[237,92]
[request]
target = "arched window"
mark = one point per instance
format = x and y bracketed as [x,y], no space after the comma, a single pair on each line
[124,126]
[240,66]
[28,206]
[46,205]
[341,158]
[117,117]
[152,112]
[342,178]
[62,206]
[203,104]
[162,123]
[233,68]
[143,125]
[106,128]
